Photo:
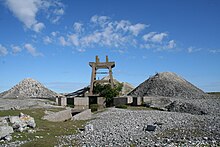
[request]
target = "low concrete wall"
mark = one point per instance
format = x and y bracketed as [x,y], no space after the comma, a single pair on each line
[101,101]
[59,116]
[129,99]
[81,101]
[137,101]
[84,115]
[120,101]
[61,101]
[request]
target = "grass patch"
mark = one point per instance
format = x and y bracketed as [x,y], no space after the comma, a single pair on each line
[48,130]
[122,106]
[140,108]
[214,93]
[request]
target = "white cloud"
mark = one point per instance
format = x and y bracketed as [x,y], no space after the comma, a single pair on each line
[78,27]
[27,10]
[147,37]
[214,51]
[3,50]
[136,29]
[158,37]
[47,40]
[155,37]
[38,27]
[59,11]
[123,25]
[193,49]
[81,50]
[63,42]
[54,34]
[74,39]
[16,49]
[105,32]
[32,50]
[171,44]
[100,20]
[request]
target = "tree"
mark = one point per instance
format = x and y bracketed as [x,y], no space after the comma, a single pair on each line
[106,91]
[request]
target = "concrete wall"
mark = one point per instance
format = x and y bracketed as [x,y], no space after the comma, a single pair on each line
[81,101]
[120,101]
[129,99]
[137,101]
[61,101]
[101,101]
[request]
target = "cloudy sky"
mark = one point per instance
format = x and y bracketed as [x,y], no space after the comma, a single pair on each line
[52,41]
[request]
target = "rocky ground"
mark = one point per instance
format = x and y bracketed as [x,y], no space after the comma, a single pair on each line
[119,127]
[25,103]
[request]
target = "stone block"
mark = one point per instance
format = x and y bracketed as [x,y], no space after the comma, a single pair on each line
[84,115]
[59,116]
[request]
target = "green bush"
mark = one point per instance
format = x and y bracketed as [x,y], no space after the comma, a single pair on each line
[94,107]
[122,106]
[105,90]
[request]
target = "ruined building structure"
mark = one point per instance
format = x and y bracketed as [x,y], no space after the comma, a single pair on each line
[101,65]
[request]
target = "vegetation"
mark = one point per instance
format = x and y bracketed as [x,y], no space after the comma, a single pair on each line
[106,91]
[214,93]
[94,107]
[122,106]
[48,131]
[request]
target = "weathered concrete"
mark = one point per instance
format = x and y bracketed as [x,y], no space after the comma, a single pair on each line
[137,101]
[84,115]
[61,101]
[81,101]
[101,101]
[129,99]
[120,101]
[59,116]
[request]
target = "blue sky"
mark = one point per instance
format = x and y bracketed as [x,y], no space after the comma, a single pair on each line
[52,41]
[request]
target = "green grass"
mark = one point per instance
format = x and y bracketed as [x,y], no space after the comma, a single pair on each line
[214,93]
[48,130]
[140,108]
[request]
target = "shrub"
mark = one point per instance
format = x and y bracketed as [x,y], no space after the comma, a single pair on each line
[122,106]
[106,91]
[94,107]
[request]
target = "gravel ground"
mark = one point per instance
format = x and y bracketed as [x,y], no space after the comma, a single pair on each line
[120,127]
[25,103]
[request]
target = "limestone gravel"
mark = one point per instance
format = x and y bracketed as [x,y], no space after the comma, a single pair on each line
[28,88]
[168,84]
[118,127]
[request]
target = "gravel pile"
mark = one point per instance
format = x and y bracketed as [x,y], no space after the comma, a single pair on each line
[28,88]
[118,127]
[167,84]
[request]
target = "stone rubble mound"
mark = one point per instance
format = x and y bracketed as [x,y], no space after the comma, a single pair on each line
[168,84]
[28,88]
[11,124]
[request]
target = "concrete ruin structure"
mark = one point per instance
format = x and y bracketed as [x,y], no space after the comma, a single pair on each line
[101,65]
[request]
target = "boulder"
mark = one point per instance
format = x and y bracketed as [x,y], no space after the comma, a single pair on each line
[59,116]
[149,128]
[89,128]
[5,131]
[84,115]
[22,122]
